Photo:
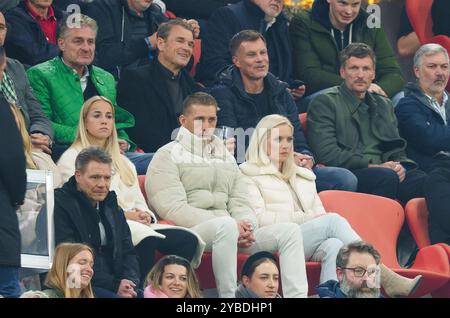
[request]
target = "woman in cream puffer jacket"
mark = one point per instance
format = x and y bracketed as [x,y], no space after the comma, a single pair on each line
[288,194]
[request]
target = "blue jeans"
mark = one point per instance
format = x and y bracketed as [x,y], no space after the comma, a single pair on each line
[333,178]
[9,281]
[140,161]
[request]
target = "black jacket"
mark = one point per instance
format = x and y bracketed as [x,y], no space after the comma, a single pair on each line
[422,126]
[229,20]
[12,186]
[25,40]
[115,47]
[142,93]
[196,9]
[71,226]
[239,110]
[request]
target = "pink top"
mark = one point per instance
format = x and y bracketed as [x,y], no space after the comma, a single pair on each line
[149,292]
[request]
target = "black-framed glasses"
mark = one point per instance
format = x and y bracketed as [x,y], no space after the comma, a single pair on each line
[360,271]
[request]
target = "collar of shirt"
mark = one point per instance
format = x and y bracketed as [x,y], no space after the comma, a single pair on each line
[37,16]
[439,107]
[270,23]
[168,73]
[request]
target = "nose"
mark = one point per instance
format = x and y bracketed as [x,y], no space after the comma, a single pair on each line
[271,283]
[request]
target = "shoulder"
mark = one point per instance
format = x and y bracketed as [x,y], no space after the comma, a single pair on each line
[104,75]
[45,69]
[302,17]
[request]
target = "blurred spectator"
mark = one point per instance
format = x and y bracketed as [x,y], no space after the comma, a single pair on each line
[159,88]
[407,41]
[96,128]
[71,272]
[65,82]
[424,113]
[33,28]
[264,16]
[350,127]
[319,35]
[248,92]
[34,294]
[172,277]
[357,268]
[196,9]
[260,277]
[5,5]
[12,193]
[195,182]
[16,88]
[87,212]
[440,11]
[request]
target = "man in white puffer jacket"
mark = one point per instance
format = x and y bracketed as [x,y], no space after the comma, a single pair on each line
[195,182]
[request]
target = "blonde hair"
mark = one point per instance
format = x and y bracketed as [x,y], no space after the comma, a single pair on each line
[57,276]
[83,141]
[257,150]
[155,276]
[20,120]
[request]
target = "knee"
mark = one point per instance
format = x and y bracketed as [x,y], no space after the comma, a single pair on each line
[330,248]
[335,219]
[227,228]
[346,180]
[289,232]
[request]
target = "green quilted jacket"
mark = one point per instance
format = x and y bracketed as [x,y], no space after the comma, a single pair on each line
[58,89]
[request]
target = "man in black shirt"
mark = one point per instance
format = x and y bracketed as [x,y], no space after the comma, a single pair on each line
[248,91]
[87,212]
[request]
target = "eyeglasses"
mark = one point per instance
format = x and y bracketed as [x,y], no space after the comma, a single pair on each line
[360,271]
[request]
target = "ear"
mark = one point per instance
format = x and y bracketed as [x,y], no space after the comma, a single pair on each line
[77,175]
[416,72]
[341,71]
[236,61]
[182,120]
[160,43]
[339,274]
[245,281]
[61,44]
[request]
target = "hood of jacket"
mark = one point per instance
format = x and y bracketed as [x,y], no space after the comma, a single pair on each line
[414,90]
[231,77]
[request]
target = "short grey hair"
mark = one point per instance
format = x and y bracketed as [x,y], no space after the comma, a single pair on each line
[165,28]
[91,154]
[428,50]
[357,247]
[76,20]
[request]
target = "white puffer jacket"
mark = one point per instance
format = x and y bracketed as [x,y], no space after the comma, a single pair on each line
[272,199]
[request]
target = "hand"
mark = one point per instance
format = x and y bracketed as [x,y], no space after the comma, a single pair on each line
[302,160]
[195,26]
[374,88]
[246,237]
[297,92]
[247,241]
[40,142]
[126,289]
[394,165]
[230,144]
[123,145]
[138,216]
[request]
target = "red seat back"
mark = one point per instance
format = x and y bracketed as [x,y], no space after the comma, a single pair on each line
[417,217]
[376,219]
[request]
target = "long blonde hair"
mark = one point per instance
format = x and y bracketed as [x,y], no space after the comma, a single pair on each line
[257,150]
[82,140]
[57,275]
[20,120]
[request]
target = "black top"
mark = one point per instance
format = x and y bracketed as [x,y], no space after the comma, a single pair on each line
[439,13]
[405,25]
[174,88]
[262,103]
[90,90]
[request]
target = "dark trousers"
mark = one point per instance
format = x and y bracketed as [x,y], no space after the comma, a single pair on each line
[177,242]
[385,182]
[9,281]
[437,194]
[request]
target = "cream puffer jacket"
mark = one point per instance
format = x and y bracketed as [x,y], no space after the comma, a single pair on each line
[190,181]
[272,199]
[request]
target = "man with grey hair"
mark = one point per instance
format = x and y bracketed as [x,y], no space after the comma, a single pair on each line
[65,82]
[358,272]
[424,113]
[87,212]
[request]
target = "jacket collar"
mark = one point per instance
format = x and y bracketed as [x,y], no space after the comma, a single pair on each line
[71,187]
[414,90]
[232,78]
[68,70]
[253,170]
[254,9]
[354,102]
[200,147]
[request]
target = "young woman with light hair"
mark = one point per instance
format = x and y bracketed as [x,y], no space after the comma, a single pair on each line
[280,191]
